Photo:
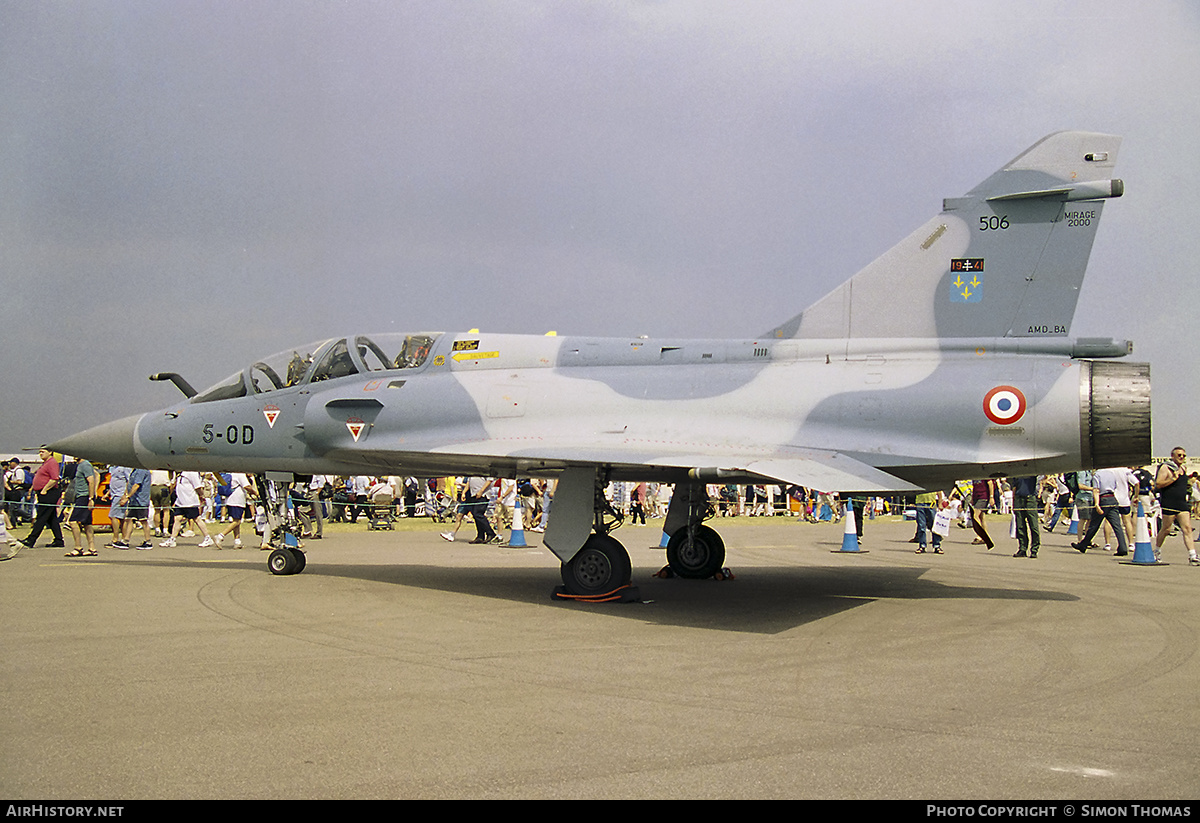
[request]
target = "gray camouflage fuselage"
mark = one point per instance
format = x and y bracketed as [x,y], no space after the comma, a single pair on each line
[770,410]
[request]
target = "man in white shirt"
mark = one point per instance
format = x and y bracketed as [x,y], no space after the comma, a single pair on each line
[1125,484]
[1107,508]
[506,501]
[240,486]
[360,485]
[189,497]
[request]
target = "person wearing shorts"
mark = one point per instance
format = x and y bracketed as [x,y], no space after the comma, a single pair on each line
[462,509]
[160,499]
[982,492]
[118,483]
[240,486]
[189,496]
[136,501]
[1171,480]
[86,485]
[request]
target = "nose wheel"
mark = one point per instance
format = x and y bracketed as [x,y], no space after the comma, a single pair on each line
[286,561]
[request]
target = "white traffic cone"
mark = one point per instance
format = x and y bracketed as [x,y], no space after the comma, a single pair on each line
[1074,528]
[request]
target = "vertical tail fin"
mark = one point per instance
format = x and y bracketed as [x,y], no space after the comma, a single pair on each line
[1006,260]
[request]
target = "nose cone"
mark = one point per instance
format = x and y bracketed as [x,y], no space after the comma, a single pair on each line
[111,443]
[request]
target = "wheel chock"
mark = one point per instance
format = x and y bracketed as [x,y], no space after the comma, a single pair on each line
[624,594]
[726,573]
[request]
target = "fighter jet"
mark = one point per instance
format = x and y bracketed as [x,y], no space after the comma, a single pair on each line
[947,358]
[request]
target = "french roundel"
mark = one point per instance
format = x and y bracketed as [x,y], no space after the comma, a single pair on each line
[1004,405]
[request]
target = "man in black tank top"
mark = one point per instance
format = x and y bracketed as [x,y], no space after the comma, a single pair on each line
[1172,484]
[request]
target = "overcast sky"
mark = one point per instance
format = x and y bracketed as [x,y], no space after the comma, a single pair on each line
[191,185]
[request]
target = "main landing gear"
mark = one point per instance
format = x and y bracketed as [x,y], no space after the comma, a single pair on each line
[601,566]
[694,551]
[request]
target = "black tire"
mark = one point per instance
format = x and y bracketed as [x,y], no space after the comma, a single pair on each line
[601,566]
[698,559]
[282,561]
[301,561]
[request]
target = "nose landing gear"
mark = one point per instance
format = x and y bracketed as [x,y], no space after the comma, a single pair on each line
[695,552]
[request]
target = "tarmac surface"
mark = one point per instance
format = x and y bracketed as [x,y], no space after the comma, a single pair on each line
[401,666]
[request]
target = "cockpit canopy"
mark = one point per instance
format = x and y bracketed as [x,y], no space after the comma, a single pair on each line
[325,360]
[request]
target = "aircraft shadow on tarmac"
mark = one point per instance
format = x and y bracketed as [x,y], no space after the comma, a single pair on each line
[765,600]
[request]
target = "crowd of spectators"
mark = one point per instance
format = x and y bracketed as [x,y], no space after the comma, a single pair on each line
[174,505]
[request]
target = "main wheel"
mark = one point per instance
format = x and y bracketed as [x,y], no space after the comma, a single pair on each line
[698,558]
[601,566]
